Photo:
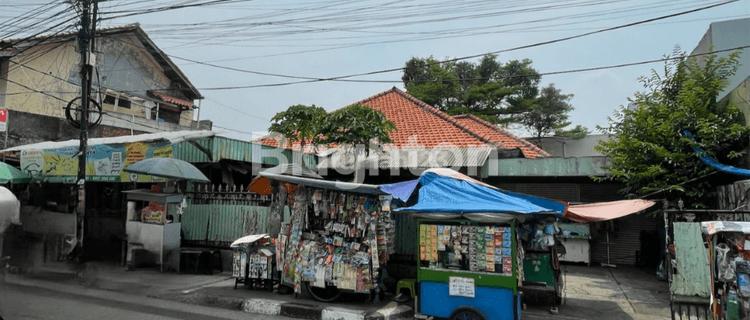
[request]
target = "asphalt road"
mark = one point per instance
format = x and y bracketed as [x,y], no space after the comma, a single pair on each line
[22,302]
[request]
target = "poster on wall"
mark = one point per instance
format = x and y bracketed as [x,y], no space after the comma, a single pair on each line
[103,162]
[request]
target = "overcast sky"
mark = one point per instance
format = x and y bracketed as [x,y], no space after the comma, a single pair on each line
[323,39]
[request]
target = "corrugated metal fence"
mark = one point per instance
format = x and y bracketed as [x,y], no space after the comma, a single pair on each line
[220,224]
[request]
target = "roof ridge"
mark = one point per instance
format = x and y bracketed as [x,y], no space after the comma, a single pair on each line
[497,129]
[426,107]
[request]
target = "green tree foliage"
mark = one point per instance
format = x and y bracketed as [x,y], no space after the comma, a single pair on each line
[649,153]
[487,89]
[357,125]
[300,123]
[349,126]
[548,113]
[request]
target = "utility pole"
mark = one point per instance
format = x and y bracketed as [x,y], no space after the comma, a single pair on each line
[85,45]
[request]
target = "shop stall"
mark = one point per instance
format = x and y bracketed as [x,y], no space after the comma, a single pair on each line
[337,239]
[471,254]
[153,226]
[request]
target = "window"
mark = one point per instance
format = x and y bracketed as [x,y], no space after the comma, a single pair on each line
[109,100]
[123,103]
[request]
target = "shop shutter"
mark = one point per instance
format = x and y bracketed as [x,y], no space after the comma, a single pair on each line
[624,240]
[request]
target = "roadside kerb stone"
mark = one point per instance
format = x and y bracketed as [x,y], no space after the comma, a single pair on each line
[262,306]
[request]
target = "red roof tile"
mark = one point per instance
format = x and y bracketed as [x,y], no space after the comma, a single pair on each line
[174,100]
[429,127]
[415,119]
[494,133]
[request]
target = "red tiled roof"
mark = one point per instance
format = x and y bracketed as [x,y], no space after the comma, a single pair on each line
[273,140]
[431,127]
[414,118]
[174,100]
[494,133]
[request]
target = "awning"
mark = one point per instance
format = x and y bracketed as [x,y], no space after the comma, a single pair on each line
[326,184]
[248,240]
[409,158]
[443,191]
[603,211]
[173,137]
[174,100]
[712,227]
[262,186]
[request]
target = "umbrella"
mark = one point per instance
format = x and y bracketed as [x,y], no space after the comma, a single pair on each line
[10,174]
[246,240]
[167,168]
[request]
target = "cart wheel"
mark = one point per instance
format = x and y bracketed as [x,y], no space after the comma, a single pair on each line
[467,314]
[559,287]
[327,294]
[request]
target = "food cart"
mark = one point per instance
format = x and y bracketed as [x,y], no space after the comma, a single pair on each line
[470,253]
[337,239]
[254,262]
[156,230]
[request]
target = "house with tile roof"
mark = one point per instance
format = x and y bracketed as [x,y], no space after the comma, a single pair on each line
[425,137]
[140,89]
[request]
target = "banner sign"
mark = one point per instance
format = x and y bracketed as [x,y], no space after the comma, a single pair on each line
[3,120]
[103,162]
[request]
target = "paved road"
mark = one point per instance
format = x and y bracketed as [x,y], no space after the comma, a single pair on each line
[24,302]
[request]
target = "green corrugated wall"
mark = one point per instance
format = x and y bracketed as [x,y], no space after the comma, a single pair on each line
[230,149]
[221,223]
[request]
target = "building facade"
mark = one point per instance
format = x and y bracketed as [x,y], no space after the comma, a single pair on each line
[139,89]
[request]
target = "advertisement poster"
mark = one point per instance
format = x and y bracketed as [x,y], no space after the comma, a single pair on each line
[103,162]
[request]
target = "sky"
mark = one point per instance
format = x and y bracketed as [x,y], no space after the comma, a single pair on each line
[324,39]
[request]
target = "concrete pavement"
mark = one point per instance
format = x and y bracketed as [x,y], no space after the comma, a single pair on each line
[590,293]
[613,293]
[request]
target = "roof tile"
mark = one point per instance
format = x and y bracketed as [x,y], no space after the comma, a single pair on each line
[494,133]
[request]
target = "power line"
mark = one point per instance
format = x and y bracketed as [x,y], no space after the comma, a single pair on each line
[235,130]
[470,79]
[340,78]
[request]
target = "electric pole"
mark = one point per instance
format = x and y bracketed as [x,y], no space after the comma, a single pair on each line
[85,45]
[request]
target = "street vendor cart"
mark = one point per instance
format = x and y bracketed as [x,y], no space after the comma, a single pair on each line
[470,255]
[254,262]
[709,264]
[337,238]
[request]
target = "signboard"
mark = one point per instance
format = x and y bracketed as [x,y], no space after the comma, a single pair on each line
[3,120]
[103,162]
[461,287]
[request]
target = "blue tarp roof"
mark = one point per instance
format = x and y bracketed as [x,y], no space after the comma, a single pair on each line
[449,194]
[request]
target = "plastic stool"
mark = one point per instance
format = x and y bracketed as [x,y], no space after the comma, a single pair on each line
[407,284]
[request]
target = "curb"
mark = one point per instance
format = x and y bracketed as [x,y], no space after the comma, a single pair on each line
[298,310]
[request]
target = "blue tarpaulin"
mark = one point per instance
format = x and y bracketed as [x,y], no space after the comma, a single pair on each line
[400,191]
[441,193]
[713,163]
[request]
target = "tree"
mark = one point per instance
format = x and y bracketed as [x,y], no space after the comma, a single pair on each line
[488,89]
[300,123]
[648,150]
[349,127]
[548,113]
[356,125]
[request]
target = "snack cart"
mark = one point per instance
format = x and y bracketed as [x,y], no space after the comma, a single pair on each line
[476,273]
[470,257]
